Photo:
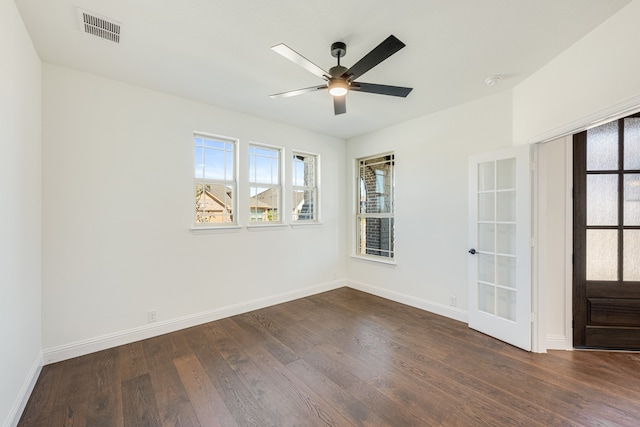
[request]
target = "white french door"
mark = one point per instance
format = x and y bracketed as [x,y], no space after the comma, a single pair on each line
[500,242]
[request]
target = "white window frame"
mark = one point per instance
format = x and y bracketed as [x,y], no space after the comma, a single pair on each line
[313,189]
[230,182]
[254,185]
[360,216]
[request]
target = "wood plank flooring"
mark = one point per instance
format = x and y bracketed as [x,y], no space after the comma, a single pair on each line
[339,358]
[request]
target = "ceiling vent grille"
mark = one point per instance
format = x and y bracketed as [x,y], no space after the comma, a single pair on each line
[98,26]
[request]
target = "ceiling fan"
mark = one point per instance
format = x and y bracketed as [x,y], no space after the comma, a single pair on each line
[339,79]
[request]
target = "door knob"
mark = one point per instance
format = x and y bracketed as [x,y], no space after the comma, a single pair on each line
[472,251]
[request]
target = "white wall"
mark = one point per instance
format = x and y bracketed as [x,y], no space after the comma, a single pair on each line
[20,214]
[431,202]
[117,184]
[597,74]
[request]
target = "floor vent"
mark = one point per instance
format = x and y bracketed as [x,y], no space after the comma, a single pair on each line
[98,26]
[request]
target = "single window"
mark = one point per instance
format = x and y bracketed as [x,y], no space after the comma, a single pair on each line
[265,189]
[304,169]
[215,180]
[375,201]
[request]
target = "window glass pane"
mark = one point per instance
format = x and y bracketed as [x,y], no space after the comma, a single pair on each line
[602,199]
[486,298]
[486,207]
[632,199]
[199,163]
[506,304]
[304,202]
[214,203]
[632,143]
[602,147]
[602,255]
[376,237]
[506,271]
[486,176]
[506,206]
[214,164]
[486,237]
[506,174]
[506,239]
[264,203]
[631,241]
[378,183]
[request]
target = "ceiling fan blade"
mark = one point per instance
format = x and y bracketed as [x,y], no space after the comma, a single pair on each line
[381,52]
[298,92]
[296,58]
[340,104]
[381,89]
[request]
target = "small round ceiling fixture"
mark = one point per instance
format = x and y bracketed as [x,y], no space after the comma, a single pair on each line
[490,81]
[338,87]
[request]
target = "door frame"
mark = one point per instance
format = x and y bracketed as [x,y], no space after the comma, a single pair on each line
[542,341]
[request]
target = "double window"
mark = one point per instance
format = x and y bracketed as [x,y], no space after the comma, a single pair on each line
[375,212]
[215,180]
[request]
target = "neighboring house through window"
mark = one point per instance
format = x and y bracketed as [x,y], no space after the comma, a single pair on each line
[304,170]
[265,189]
[215,180]
[375,214]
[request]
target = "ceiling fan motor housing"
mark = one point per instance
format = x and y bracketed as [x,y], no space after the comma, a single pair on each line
[338,50]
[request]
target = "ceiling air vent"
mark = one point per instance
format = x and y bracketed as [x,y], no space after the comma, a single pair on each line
[99,26]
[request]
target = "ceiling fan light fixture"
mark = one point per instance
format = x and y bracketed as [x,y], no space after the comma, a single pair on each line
[338,87]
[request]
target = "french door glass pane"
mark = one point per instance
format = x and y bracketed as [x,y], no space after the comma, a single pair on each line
[602,147]
[506,239]
[486,237]
[506,174]
[602,254]
[486,207]
[507,304]
[602,199]
[506,271]
[631,249]
[506,206]
[632,199]
[486,268]
[486,298]
[632,143]
[486,176]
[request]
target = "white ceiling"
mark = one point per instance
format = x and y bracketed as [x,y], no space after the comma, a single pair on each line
[218,52]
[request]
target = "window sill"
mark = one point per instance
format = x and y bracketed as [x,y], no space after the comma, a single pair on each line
[217,229]
[375,260]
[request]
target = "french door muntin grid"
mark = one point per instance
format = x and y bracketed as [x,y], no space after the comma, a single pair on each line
[618,226]
[214,173]
[265,191]
[496,195]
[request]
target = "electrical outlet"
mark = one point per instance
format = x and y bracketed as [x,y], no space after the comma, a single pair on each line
[453,300]
[151,316]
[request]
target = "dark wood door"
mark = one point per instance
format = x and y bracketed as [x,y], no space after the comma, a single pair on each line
[606,288]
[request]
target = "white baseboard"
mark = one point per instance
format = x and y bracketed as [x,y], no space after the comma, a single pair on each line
[25,392]
[80,348]
[559,342]
[433,307]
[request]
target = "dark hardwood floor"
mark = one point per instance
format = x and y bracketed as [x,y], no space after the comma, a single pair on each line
[336,359]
